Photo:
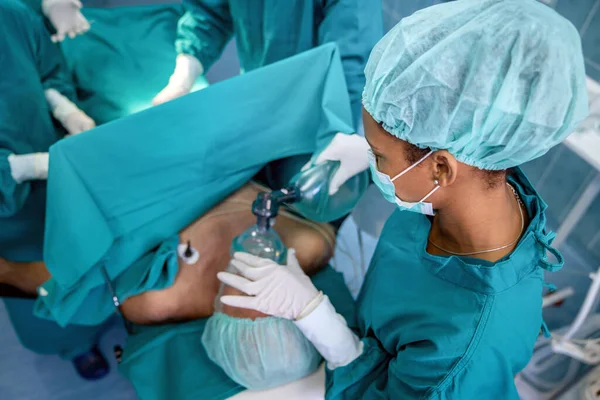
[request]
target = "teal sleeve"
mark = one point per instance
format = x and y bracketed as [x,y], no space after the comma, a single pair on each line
[423,371]
[364,378]
[12,194]
[204,30]
[355,26]
[51,64]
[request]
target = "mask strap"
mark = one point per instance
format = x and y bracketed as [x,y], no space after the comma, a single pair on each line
[412,166]
[430,193]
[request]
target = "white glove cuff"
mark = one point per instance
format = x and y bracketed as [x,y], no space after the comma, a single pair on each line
[187,69]
[329,333]
[27,167]
[60,106]
[310,307]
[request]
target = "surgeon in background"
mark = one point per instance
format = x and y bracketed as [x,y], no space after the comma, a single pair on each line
[34,87]
[267,31]
[457,96]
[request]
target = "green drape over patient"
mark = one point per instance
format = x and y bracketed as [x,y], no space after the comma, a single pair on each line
[121,190]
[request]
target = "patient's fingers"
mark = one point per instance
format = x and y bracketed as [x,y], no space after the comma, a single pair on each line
[238,282]
[240,302]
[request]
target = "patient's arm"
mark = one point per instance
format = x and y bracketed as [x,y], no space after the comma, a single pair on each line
[26,276]
[193,293]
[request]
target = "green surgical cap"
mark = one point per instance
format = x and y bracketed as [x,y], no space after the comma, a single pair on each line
[496,83]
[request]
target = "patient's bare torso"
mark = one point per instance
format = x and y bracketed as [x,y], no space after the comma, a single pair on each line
[193,293]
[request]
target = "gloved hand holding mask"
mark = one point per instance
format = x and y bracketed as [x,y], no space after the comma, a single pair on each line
[285,291]
[255,350]
[352,153]
[66,17]
[282,291]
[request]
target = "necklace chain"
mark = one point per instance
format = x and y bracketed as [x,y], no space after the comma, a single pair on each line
[519,204]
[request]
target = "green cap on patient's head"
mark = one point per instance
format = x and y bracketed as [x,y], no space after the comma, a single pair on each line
[261,353]
[497,83]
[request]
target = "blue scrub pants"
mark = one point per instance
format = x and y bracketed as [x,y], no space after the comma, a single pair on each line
[46,337]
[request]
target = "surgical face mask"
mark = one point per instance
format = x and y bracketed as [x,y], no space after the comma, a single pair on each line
[385,184]
[259,354]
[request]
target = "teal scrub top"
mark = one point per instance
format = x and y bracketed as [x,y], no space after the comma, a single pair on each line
[271,30]
[447,327]
[136,48]
[30,63]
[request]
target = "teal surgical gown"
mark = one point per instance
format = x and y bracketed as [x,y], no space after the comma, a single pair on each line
[135,46]
[119,194]
[271,30]
[447,327]
[30,63]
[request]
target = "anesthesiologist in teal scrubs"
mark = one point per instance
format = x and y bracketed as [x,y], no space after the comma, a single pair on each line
[457,96]
[267,31]
[34,87]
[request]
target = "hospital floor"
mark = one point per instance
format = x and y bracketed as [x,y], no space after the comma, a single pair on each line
[28,376]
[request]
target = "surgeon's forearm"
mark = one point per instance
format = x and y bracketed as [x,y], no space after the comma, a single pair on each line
[187,69]
[67,113]
[60,106]
[330,334]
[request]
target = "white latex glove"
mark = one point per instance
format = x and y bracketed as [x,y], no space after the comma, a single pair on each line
[66,17]
[77,122]
[286,292]
[28,167]
[70,116]
[187,69]
[329,333]
[352,153]
[283,291]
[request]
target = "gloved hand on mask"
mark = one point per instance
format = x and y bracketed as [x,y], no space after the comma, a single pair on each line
[68,114]
[352,153]
[187,70]
[285,291]
[66,17]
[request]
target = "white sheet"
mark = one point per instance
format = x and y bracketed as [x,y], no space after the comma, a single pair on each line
[310,388]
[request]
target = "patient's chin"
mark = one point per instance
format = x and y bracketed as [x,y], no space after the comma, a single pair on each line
[237,312]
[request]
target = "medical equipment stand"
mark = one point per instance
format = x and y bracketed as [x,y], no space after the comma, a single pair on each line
[587,146]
